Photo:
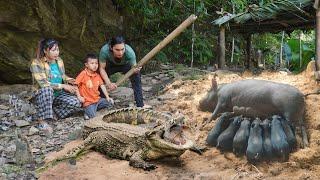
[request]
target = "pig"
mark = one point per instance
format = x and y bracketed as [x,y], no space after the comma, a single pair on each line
[221,124]
[289,133]
[240,140]
[225,139]
[264,98]
[279,141]
[267,145]
[255,142]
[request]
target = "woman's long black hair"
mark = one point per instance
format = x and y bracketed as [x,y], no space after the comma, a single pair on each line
[43,45]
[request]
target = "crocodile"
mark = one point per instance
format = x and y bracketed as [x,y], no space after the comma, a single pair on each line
[116,135]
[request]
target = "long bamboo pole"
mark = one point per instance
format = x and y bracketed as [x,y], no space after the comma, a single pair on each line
[162,44]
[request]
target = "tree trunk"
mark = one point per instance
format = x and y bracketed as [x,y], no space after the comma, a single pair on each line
[248,51]
[317,38]
[222,48]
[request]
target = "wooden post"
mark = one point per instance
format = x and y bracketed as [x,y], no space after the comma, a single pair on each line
[162,44]
[222,48]
[317,38]
[248,51]
[232,50]
[281,50]
[300,50]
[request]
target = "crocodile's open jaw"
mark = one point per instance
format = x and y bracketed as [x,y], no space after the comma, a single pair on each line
[175,134]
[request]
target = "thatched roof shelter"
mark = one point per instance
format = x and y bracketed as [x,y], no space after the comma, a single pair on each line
[280,15]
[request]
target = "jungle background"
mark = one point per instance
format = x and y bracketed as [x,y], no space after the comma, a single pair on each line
[84,26]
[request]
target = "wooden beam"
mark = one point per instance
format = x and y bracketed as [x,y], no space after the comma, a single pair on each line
[258,28]
[222,48]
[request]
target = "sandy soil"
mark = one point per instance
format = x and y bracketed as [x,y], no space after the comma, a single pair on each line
[303,163]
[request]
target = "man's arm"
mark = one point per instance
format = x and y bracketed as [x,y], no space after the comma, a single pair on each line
[102,68]
[105,92]
[103,73]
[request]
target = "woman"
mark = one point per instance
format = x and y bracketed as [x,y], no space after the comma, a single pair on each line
[53,89]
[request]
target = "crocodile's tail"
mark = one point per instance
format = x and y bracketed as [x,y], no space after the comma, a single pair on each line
[72,154]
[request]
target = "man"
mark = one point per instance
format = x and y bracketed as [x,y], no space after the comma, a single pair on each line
[116,56]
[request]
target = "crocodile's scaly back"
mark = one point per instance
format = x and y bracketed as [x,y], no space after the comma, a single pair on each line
[135,116]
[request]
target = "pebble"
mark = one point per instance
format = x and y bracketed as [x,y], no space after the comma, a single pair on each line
[33,131]
[4,107]
[21,123]
[146,88]
[167,97]
[2,161]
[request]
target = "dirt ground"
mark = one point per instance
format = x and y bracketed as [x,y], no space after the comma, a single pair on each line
[303,163]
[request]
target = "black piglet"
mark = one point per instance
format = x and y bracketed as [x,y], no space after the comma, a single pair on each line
[291,139]
[279,142]
[240,140]
[225,139]
[221,124]
[255,148]
[267,146]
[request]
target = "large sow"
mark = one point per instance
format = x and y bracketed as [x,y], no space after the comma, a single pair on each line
[264,98]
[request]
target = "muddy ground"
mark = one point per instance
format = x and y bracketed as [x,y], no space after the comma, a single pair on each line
[302,164]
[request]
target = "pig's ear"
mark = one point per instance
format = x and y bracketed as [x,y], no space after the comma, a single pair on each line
[214,83]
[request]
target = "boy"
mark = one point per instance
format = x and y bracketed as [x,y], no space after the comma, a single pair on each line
[88,82]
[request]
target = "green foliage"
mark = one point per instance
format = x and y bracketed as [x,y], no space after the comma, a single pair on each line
[8,168]
[307,53]
[115,77]
[153,20]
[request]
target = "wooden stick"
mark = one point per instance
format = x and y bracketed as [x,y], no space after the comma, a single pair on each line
[156,49]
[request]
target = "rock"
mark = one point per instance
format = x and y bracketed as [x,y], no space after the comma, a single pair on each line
[33,131]
[2,161]
[154,81]
[167,96]
[21,123]
[76,134]
[161,76]
[35,150]
[153,102]
[11,148]
[123,93]
[60,126]
[13,118]
[146,80]
[4,97]
[42,20]
[146,88]
[23,94]
[3,112]
[4,107]
[12,176]
[26,108]
[5,125]
[23,154]
[275,171]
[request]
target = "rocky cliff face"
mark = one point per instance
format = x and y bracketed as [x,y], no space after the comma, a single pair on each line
[80,27]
